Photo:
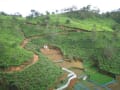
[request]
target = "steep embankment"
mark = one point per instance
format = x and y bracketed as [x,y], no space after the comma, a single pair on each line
[54,54]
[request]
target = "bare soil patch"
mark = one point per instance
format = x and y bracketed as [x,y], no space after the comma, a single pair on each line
[77,71]
[55,54]
[75,64]
[72,83]
[23,44]
[52,54]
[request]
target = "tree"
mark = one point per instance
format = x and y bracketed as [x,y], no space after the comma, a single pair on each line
[56,11]
[108,59]
[47,13]
[86,8]
[17,14]
[67,21]
[53,13]
[34,13]
[114,15]
[3,13]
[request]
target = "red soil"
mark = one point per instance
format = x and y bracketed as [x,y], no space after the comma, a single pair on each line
[72,83]
[24,65]
[67,64]
[52,54]
[24,43]
[55,54]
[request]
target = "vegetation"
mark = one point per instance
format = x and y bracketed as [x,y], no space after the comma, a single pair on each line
[84,34]
[40,76]
[11,37]
[81,45]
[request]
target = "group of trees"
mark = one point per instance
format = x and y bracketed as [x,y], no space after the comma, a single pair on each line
[114,15]
[17,14]
[106,56]
[85,12]
[88,12]
[73,12]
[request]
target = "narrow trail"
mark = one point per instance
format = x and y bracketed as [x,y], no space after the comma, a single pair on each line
[24,43]
[29,62]
[25,64]
[36,58]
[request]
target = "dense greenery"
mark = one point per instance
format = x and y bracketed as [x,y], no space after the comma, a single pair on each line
[10,39]
[114,15]
[100,51]
[37,30]
[89,23]
[40,76]
[95,49]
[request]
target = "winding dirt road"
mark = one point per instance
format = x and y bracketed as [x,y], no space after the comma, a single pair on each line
[25,64]
[54,55]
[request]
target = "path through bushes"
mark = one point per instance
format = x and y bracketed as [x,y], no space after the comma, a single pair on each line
[25,64]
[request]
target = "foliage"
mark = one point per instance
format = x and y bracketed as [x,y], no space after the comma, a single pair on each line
[116,27]
[83,13]
[67,21]
[40,76]
[101,49]
[104,24]
[11,37]
[83,46]
[95,75]
[114,15]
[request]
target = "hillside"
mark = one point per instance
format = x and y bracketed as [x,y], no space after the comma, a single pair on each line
[14,56]
[92,41]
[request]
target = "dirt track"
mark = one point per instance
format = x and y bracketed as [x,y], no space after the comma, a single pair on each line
[25,64]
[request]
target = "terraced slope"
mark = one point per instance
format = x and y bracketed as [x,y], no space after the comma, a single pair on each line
[24,72]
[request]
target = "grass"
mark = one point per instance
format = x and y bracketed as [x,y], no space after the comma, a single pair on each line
[95,75]
[78,45]
[90,24]
[43,74]
[10,39]
[75,44]
[34,30]
[40,76]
